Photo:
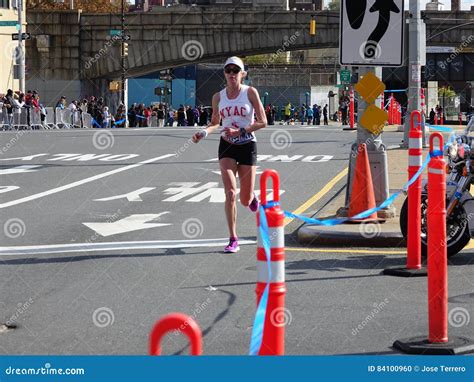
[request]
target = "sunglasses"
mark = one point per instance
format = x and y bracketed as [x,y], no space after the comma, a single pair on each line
[232,70]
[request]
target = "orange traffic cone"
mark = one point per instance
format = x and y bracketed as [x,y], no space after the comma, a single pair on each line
[362,195]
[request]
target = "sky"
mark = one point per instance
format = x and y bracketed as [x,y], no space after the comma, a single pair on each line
[465,4]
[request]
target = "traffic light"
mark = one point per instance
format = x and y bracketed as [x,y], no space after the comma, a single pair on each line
[124,49]
[166,91]
[312,26]
[158,91]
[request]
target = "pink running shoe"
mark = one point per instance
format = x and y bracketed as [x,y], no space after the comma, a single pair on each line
[233,246]
[254,204]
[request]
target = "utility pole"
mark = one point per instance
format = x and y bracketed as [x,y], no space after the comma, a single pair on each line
[20,56]
[416,58]
[123,53]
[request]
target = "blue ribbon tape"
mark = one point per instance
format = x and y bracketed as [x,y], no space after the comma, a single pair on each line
[440,128]
[119,122]
[395,91]
[95,123]
[137,116]
[259,321]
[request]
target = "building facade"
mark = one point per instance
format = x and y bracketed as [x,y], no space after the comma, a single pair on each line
[8,15]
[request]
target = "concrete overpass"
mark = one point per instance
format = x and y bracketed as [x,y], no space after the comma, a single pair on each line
[78,50]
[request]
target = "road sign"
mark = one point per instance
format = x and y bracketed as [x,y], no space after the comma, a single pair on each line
[118,32]
[24,36]
[370,87]
[8,23]
[345,76]
[371,33]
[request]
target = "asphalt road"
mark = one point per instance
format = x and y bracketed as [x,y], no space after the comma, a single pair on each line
[105,231]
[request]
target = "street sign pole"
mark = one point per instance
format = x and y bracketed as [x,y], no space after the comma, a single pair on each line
[20,56]
[416,58]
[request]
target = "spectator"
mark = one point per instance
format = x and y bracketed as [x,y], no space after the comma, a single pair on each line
[160,113]
[147,115]
[325,114]
[120,117]
[203,117]
[190,116]
[61,103]
[309,115]
[132,119]
[181,116]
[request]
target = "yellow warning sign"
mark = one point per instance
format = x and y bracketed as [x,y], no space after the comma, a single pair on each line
[373,119]
[370,87]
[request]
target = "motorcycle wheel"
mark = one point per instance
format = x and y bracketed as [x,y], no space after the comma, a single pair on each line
[457,230]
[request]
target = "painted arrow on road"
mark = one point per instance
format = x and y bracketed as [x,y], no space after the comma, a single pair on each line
[128,224]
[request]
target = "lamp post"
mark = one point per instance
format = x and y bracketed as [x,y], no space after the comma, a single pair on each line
[307,98]
[122,52]
[265,95]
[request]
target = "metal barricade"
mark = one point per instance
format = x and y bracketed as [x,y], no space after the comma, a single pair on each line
[35,118]
[76,120]
[154,121]
[20,118]
[49,121]
[4,122]
[86,120]
[63,118]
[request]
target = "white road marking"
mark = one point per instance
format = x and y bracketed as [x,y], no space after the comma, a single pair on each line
[29,157]
[4,189]
[117,246]
[20,169]
[83,181]
[130,223]
[133,196]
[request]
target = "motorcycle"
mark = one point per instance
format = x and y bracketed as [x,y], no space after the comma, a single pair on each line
[459,201]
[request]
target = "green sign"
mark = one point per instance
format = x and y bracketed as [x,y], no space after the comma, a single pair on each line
[8,23]
[115,32]
[345,76]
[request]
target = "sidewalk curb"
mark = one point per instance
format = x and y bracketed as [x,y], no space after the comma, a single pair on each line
[316,235]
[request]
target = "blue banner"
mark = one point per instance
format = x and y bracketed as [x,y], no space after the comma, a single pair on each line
[237,368]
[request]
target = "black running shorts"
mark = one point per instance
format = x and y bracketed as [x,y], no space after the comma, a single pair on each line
[243,154]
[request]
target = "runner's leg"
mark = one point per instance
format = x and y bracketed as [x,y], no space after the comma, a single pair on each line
[228,172]
[247,183]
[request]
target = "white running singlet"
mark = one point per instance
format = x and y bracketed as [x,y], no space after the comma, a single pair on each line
[237,113]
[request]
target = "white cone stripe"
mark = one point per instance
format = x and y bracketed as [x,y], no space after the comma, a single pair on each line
[414,143]
[276,236]
[435,171]
[277,268]
[415,160]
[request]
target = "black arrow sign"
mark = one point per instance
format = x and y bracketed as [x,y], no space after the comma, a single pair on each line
[356,12]
[384,7]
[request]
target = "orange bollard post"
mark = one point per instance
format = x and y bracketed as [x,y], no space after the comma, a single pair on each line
[437,253]
[177,322]
[413,266]
[441,118]
[273,342]
[436,119]
[437,341]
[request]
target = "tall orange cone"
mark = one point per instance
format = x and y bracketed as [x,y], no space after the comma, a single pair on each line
[362,195]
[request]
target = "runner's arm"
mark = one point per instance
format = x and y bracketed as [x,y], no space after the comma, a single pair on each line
[261,117]
[215,120]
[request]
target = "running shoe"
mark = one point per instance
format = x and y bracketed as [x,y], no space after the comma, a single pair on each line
[254,204]
[233,246]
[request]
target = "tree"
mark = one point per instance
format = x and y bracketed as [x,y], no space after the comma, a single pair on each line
[95,6]
[334,5]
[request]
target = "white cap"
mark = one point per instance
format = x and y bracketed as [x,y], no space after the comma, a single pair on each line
[235,61]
